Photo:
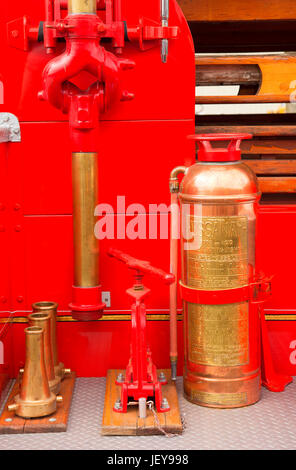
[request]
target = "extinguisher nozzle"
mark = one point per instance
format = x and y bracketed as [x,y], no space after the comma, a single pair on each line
[173,370]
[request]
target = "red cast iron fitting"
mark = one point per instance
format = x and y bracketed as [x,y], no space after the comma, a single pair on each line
[66,87]
[84,53]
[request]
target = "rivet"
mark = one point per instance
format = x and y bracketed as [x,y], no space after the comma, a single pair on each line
[17,207]
[2,207]
[18,228]
[2,228]
[20,298]
[15,33]
[3,299]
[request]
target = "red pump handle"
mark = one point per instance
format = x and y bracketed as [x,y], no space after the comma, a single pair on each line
[209,154]
[140,265]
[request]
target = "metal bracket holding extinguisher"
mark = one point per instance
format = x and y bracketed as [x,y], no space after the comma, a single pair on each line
[9,128]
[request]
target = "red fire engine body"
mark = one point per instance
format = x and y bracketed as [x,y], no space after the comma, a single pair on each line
[139,142]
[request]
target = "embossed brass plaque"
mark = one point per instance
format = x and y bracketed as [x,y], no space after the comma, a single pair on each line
[221,262]
[219,334]
[219,399]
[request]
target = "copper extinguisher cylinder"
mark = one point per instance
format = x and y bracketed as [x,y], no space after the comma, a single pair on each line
[42,320]
[219,198]
[35,398]
[76,7]
[50,308]
[85,200]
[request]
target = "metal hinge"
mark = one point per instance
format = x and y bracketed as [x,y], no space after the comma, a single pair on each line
[9,128]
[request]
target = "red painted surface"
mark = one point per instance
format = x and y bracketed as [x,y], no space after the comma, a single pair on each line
[140,142]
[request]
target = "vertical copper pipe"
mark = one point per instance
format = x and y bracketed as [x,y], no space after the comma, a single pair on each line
[85,200]
[35,398]
[174,189]
[50,308]
[42,320]
[82,6]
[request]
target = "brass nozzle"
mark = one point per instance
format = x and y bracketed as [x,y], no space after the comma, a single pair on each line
[43,320]
[35,398]
[51,308]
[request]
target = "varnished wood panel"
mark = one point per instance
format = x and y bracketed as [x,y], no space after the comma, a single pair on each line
[238,10]
[129,424]
[272,167]
[57,422]
[277,184]
[256,131]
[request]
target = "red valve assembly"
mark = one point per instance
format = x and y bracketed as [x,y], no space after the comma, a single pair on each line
[141,381]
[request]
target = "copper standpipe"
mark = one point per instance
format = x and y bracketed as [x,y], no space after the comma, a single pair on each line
[50,308]
[174,190]
[42,320]
[35,399]
[86,245]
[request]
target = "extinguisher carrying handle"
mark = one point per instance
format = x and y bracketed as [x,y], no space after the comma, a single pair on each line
[209,153]
[141,266]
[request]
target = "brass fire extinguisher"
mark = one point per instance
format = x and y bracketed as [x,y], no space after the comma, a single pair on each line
[218,199]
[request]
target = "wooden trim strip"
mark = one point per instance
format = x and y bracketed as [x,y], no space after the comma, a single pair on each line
[234,10]
[242,99]
[243,59]
[256,131]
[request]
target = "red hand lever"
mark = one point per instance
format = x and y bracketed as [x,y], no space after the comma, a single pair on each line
[140,265]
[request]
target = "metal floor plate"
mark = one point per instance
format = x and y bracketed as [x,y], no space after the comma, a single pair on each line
[270,424]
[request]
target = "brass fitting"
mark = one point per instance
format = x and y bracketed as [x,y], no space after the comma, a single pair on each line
[50,308]
[82,6]
[35,399]
[42,320]
[174,182]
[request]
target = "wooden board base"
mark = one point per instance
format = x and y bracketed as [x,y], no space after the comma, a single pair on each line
[57,422]
[129,424]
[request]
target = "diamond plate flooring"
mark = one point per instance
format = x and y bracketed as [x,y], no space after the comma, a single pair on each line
[270,424]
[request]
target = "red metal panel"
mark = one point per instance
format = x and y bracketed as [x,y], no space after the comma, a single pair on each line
[276,253]
[282,335]
[92,348]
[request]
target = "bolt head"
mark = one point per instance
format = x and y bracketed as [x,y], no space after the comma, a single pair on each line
[164,403]
[118,405]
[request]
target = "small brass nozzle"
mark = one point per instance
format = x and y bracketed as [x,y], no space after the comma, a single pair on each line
[34,399]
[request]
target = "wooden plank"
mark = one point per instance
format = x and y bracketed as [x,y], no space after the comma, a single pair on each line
[243,99]
[272,167]
[233,74]
[256,131]
[269,146]
[244,59]
[281,184]
[57,422]
[129,424]
[9,422]
[242,10]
